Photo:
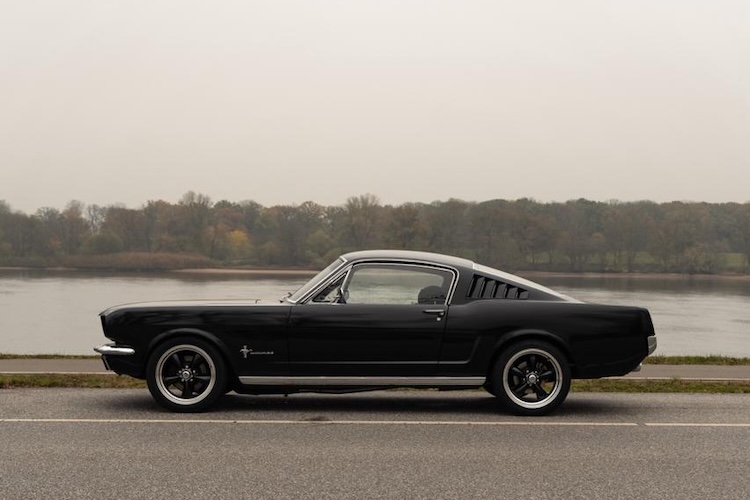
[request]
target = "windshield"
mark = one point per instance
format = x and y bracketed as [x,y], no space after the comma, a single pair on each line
[314,281]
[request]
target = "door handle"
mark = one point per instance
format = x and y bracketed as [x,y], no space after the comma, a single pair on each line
[437,312]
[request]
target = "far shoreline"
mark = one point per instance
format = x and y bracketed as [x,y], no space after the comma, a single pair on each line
[638,275]
[197,271]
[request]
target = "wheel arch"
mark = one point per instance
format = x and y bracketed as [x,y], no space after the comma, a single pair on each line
[197,334]
[530,334]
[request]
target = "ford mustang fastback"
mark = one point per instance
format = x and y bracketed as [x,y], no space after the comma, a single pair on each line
[374,320]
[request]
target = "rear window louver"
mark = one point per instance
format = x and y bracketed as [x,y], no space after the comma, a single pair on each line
[490,288]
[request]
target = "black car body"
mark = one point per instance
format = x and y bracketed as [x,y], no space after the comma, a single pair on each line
[379,319]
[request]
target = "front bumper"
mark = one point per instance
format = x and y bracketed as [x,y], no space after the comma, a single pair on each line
[120,359]
[113,350]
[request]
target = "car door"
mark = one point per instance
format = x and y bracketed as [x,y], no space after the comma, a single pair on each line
[384,319]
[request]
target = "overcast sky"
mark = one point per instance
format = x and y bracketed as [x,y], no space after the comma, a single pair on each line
[286,101]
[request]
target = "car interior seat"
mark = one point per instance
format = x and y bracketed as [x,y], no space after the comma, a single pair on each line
[431,295]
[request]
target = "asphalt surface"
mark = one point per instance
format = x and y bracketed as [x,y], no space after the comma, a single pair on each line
[99,443]
[701,372]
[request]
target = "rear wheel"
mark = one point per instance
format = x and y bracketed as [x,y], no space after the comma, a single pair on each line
[531,378]
[186,375]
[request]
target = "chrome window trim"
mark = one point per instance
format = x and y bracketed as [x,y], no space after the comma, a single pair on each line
[362,381]
[323,282]
[331,278]
[337,273]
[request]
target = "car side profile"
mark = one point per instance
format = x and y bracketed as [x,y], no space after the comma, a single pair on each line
[380,319]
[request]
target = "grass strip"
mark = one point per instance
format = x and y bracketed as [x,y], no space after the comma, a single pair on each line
[77,380]
[671,385]
[696,360]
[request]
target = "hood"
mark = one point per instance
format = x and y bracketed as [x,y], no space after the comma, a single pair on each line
[184,304]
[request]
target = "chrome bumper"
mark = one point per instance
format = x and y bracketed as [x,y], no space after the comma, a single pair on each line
[111,350]
[651,348]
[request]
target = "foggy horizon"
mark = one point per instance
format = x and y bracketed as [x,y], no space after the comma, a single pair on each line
[107,102]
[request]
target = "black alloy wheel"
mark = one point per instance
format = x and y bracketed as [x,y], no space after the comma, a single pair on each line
[531,378]
[186,375]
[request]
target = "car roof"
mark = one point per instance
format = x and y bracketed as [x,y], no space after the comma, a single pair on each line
[409,255]
[455,262]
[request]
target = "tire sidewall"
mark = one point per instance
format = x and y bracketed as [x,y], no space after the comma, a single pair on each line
[509,401]
[219,375]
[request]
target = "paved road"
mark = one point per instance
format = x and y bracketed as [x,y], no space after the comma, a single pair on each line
[77,443]
[704,372]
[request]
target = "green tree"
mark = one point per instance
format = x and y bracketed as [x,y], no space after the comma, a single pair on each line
[489,226]
[402,226]
[580,219]
[445,226]
[534,230]
[126,226]
[361,219]
[95,216]
[49,232]
[627,229]
[742,231]
[20,233]
[5,212]
[193,222]
[74,227]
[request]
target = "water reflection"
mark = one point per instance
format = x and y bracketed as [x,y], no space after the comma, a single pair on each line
[56,312]
[710,285]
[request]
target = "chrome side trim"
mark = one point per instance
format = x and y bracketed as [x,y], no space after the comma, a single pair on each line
[363,381]
[110,350]
[651,344]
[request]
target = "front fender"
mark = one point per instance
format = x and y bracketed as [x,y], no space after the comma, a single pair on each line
[189,332]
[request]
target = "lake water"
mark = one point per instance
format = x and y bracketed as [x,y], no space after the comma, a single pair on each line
[43,312]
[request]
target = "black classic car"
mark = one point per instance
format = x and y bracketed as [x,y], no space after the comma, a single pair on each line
[374,320]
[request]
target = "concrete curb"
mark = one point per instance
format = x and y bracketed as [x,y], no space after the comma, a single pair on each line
[39,365]
[691,372]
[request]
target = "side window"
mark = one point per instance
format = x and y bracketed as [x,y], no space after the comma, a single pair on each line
[397,284]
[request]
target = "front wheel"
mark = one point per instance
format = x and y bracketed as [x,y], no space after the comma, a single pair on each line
[531,378]
[186,375]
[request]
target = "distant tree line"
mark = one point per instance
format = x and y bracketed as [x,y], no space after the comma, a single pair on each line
[522,234]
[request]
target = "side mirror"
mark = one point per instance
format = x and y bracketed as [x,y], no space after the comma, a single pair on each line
[341,296]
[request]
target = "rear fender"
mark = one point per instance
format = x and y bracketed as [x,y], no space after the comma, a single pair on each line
[530,334]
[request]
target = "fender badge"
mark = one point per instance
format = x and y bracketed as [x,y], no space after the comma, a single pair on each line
[245,351]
